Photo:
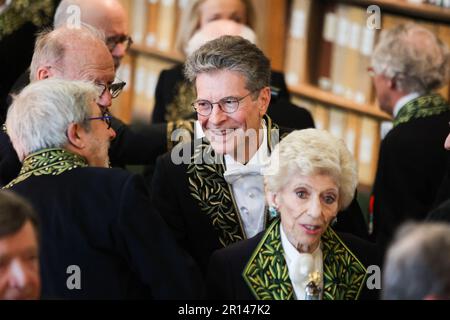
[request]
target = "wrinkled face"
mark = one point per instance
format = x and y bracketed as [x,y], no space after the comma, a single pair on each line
[211,10]
[98,140]
[116,27]
[19,265]
[227,132]
[91,64]
[307,204]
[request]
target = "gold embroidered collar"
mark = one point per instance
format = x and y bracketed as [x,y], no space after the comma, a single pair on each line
[48,162]
[267,274]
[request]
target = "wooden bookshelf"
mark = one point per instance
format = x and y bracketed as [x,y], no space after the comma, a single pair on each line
[328,98]
[403,7]
[168,56]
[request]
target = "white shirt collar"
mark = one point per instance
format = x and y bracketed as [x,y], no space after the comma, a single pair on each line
[403,101]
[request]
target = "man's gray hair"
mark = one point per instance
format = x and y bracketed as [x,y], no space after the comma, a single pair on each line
[41,114]
[414,57]
[232,53]
[417,263]
[313,152]
[51,45]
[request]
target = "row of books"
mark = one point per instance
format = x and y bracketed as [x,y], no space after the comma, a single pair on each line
[439,3]
[360,133]
[335,53]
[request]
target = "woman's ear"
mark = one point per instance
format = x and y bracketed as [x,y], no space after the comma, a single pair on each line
[271,198]
[75,134]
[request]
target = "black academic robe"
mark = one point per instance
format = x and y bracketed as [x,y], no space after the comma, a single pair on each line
[411,166]
[199,206]
[256,268]
[101,221]
[281,110]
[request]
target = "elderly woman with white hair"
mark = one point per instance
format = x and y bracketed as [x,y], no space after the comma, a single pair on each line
[311,177]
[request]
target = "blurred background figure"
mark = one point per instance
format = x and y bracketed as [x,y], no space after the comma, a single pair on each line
[19,249]
[417,263]
[409,63]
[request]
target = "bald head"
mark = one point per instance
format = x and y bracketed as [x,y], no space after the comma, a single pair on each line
[73,54]
[106,15]
[216,29]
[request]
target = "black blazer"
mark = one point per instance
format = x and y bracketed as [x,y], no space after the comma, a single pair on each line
[281,110]
[102,221]
[198,205]
[225,279]
[411,166]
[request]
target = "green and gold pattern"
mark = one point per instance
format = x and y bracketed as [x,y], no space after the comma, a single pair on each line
[181,107]
[22,11]
[267,274]
[187,127]
[48,162]
[214,196]
[422,107]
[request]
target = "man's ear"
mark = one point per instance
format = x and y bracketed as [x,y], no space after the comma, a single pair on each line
[264,100]
[43,73]
[76,134]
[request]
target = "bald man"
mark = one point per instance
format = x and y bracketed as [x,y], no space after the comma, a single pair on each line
[108,16]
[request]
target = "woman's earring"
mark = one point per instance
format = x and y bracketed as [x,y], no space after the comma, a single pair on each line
[273,212]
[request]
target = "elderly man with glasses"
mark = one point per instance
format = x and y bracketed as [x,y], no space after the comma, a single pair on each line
[100,237]
[408,65]
[211,191]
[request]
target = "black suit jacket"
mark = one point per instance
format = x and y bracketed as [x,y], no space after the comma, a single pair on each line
[411,167]
[281,110]
[225,279]
[199,207]
[102,221]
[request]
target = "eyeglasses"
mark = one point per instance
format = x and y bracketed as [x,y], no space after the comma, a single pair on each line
[112,42]
[227,105]
[105,117]
[115,89]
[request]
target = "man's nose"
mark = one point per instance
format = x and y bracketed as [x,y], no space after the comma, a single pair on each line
[105,100]
[18,275]
[217,115]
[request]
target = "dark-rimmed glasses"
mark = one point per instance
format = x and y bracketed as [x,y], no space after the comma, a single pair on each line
[105,117]
[115,88]
[227,105]
[112,42]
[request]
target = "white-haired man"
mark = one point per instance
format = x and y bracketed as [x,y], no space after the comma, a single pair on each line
[100,237]
[408,64]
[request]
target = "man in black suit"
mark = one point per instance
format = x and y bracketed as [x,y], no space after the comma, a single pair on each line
[409,63]
[100,237]
[211,191]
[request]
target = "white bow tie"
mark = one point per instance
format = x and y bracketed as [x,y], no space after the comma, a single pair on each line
[234,174]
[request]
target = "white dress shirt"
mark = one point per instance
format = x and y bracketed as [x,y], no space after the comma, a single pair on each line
[300,265]
[248,189]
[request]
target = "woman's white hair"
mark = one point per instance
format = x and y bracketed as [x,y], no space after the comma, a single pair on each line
[310,152]
[414,57]
[40,115]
